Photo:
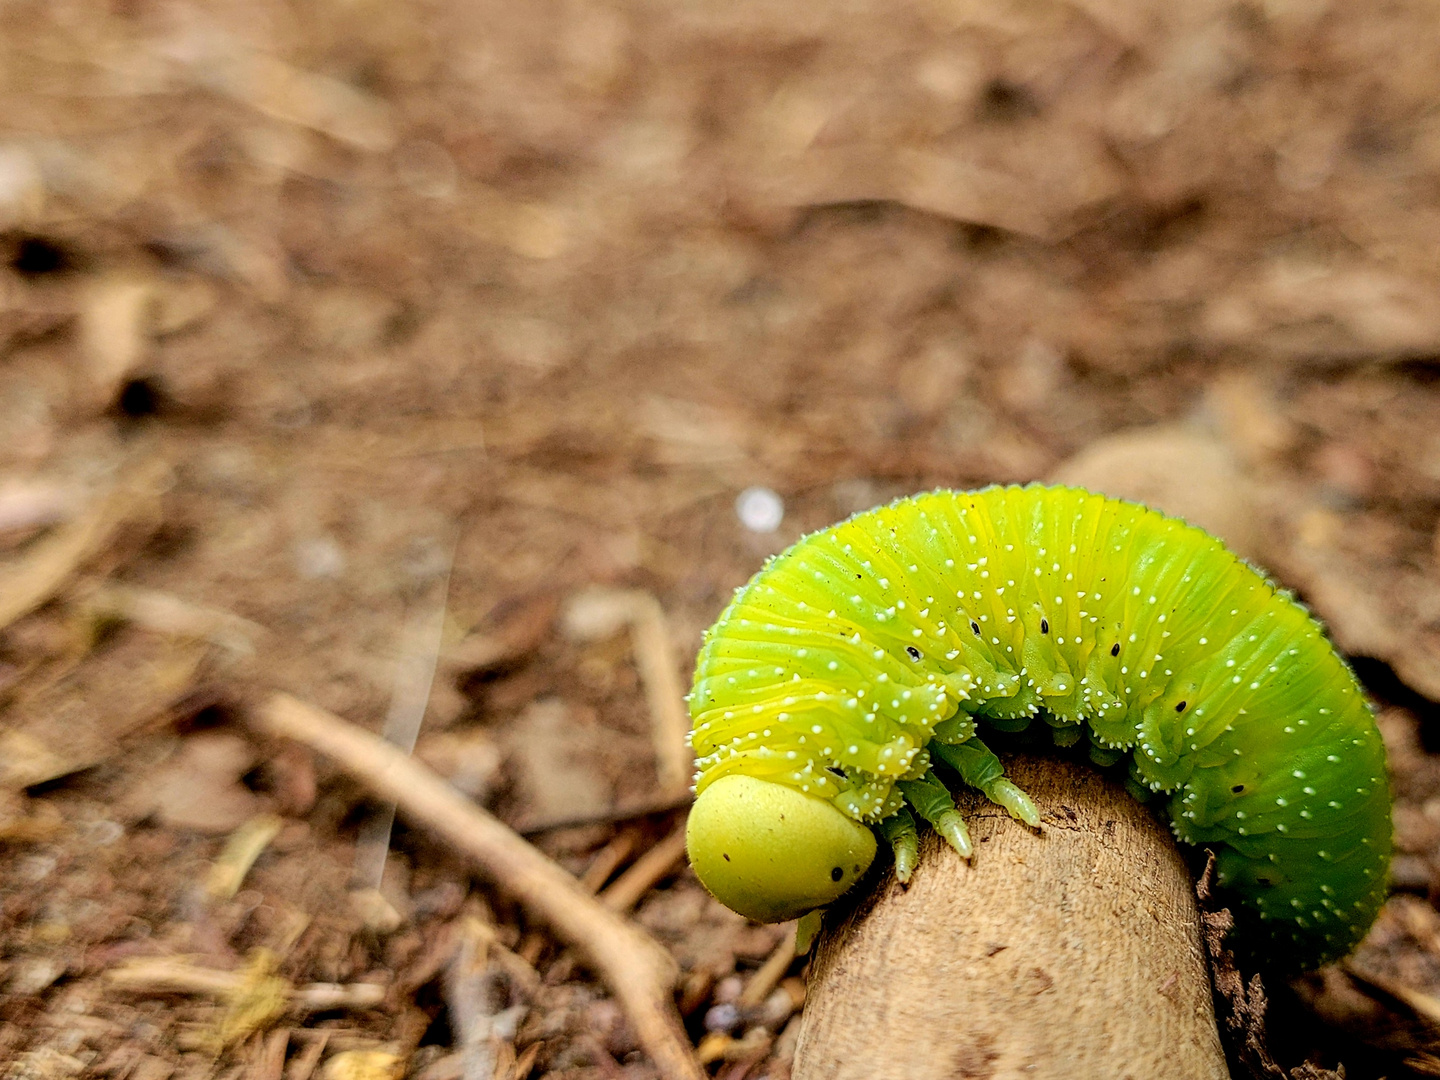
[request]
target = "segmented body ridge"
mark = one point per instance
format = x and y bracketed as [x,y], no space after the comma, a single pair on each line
[841,662]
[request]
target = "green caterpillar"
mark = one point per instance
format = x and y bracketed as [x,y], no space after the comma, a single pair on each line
[869,655]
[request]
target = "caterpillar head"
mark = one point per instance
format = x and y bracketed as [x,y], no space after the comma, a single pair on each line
[773,853]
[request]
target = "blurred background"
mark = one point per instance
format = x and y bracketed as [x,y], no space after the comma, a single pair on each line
[339,337]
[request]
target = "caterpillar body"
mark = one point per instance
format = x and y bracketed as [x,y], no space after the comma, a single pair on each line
[870,653]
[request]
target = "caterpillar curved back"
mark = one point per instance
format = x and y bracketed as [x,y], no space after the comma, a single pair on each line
[852,679]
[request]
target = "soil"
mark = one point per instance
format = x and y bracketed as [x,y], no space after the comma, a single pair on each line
[314,313]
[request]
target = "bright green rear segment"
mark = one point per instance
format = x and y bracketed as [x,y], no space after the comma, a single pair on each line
[836,667]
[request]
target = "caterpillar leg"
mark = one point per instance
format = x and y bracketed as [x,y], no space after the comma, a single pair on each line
[1065,735]
[980,768]
[899,832]
[931,800]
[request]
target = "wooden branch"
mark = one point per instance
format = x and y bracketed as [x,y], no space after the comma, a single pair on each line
[638,970]
[1070,953]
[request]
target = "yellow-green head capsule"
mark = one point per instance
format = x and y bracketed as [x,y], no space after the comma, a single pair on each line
[772,853]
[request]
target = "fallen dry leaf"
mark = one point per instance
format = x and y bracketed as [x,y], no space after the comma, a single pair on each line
[199,786]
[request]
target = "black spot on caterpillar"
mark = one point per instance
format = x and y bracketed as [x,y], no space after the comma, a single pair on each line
[837,680]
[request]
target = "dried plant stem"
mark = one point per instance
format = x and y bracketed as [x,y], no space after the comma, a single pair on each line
[637,969]
[611,816]
[626,890]
[660,675]
[771,972]
[598,613]
[50,563]
[609,859]
[176,975]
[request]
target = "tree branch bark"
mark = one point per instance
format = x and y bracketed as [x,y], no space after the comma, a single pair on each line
[1070,954]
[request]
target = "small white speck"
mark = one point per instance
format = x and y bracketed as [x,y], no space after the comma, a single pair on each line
[760,509]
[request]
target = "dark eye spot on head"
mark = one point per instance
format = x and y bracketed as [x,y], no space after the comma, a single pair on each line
[1180,707]
[836,873]
[914,652]
[724,856]
[1237,789]
[857,577]
[1044,626]
[976,627]
[1115,649]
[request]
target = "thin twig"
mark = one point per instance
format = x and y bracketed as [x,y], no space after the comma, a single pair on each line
[524,1063]
[51,562]
[475,989]
[302,1066]
[1424,1005]
[611,816]
[637,968]
[630,886]
[771,972]
[169,614]
[245,845]
[664,694]
[269,1060]
[173,975]
[609,859]
[27,506]
[597,613]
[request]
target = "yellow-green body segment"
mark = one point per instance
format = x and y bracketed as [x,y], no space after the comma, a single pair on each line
[872,651]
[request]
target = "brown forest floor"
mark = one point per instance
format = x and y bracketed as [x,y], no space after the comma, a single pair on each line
[302,303]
